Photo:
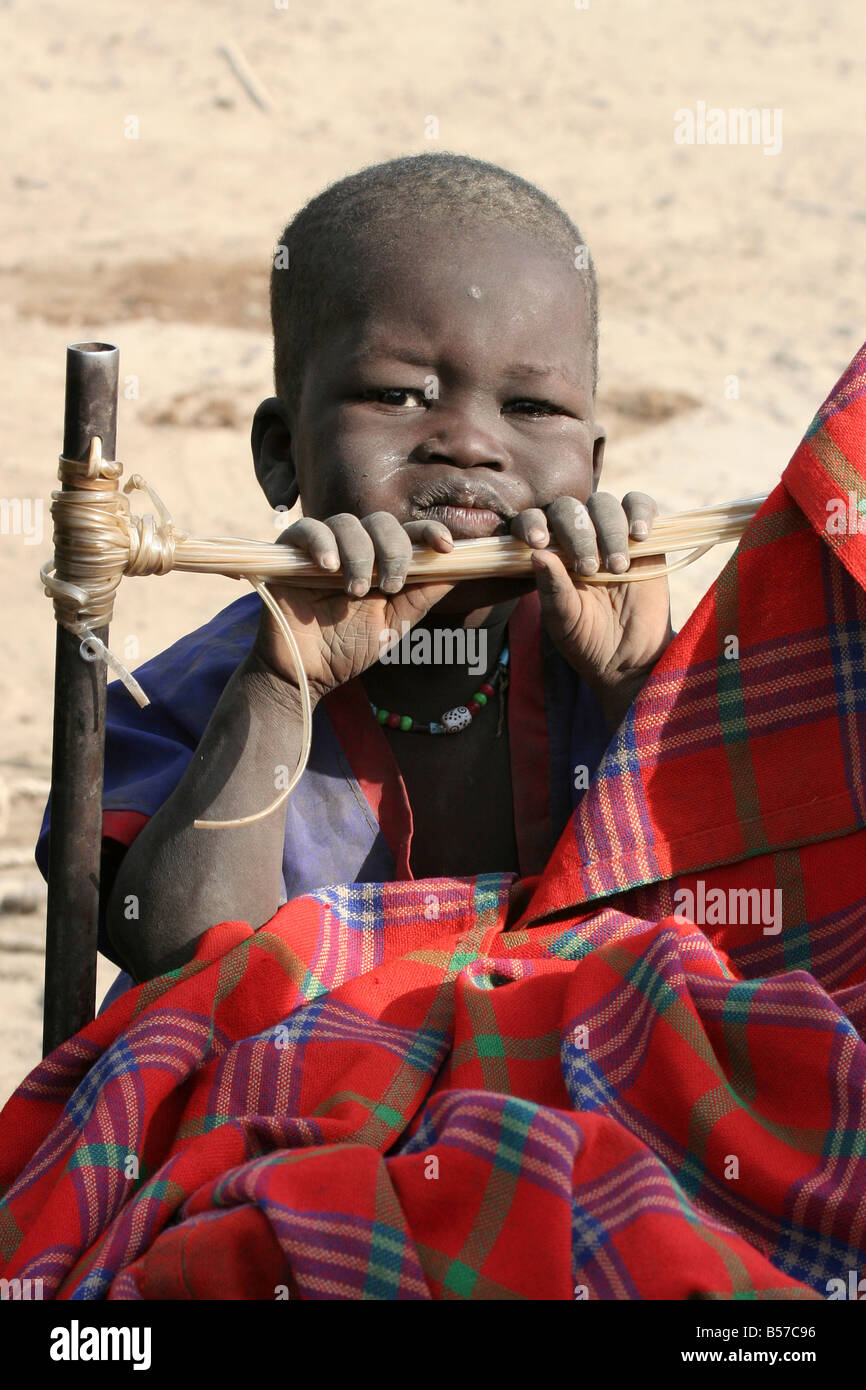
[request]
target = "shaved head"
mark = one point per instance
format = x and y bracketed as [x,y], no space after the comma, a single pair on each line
[339,245]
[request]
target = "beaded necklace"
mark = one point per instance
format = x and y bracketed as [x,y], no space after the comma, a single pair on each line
[453,721]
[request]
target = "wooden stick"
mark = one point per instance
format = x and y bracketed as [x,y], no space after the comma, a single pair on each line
[245,75]
[79,742]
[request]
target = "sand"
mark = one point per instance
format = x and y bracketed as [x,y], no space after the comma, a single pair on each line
[732,281]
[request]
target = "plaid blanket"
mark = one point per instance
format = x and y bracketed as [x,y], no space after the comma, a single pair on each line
[638,1075]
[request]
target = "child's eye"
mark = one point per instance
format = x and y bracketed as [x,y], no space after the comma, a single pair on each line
[402,398]
[538,408]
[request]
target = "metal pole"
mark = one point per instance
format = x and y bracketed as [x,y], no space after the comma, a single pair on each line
[79,742]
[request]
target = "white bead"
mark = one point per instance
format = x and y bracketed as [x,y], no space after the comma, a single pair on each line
[456,719]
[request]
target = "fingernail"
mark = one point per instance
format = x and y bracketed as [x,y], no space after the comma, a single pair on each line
[639,530]
[537,536]
[617,563]
[331,561]
[391,584]
[358,587]
[588,564]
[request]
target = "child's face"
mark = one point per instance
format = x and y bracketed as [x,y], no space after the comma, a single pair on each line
[463,377]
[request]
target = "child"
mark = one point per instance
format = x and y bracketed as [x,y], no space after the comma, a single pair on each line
[435,365]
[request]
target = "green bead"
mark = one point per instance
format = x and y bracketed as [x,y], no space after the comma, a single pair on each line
[480,697]
[383,715]
[406,722]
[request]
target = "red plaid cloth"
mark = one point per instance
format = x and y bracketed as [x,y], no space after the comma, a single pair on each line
[559,1088]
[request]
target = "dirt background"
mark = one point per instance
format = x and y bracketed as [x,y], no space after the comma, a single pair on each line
[715,262]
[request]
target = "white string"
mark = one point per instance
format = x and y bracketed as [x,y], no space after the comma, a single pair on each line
[306,717]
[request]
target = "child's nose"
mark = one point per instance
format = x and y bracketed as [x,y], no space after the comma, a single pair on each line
[459,437]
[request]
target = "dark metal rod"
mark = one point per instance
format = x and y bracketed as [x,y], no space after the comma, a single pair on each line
[79,742]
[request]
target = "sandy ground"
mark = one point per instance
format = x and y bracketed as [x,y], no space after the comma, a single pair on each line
[716,262]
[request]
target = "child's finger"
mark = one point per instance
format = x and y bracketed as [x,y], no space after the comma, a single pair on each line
[560,601]
[531,526]
[356,552]
[415,600]
[641,511]
[572,528]
[314,537]
[611,529]
[393,550]
[432,533]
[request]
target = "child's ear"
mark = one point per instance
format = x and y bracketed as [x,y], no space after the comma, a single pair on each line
[598,455]
[271,440]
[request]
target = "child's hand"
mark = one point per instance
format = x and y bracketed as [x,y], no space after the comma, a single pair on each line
[340,631]
[612,634]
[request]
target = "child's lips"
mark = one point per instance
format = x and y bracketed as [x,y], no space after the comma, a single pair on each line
[466,523]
